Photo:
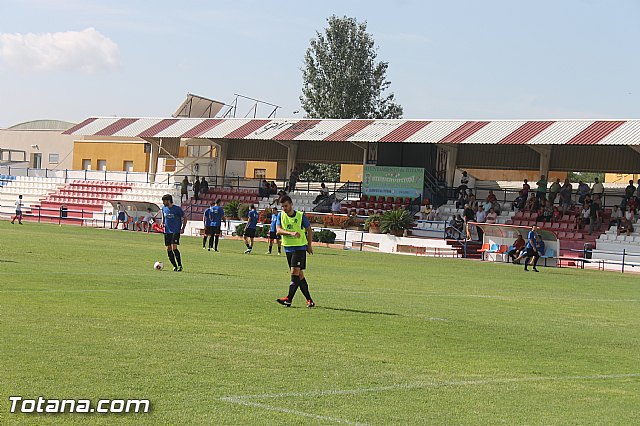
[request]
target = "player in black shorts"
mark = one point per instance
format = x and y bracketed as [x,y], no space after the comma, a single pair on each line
[273,232]
[296,236]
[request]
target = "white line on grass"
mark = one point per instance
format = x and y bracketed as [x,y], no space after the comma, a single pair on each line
[479,296]
[289,411]
[247,400]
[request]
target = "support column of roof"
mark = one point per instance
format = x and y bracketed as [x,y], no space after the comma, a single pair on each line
[452,162]
[545,158]
[153,158]
[223,155]
[292,154]
[365,147]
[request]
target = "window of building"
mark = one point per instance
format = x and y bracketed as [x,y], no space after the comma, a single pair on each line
[36,160]
[260,173]
[54,158]
[102,165]
[127,166]
[86,164]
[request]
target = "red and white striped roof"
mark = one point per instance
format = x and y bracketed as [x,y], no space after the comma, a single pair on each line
[515,132]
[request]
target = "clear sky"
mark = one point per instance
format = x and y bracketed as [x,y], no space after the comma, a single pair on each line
[71,59]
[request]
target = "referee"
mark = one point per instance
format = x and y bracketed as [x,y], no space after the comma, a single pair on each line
[296,238]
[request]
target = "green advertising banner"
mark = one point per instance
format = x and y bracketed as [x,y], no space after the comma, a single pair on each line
[393,181]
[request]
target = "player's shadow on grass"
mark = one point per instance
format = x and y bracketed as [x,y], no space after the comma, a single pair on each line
[7,261]
[217,274]
[357,311]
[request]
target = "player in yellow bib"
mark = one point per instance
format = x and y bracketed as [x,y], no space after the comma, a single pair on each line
[296,238]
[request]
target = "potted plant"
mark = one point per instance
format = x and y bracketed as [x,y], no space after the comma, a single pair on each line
[231,209]
[372,224]
[395,222]
[243,211]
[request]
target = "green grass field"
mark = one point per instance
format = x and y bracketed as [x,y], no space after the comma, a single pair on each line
[394,339]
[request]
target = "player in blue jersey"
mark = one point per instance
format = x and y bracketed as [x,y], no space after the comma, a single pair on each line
[250,229]
[213,218]
[530,250]
[273,232]
[174,223]
[296,237]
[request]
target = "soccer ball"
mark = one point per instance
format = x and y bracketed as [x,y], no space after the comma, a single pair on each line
[158,266]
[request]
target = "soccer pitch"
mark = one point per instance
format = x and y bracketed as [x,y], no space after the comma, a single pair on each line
[394,339]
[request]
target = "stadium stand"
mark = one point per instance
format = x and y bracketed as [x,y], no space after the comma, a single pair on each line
[610,245]
[32,189]
[368,205]
[301,200]
[195,208]
[83,200]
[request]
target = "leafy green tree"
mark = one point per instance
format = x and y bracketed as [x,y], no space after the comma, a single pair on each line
[341,77]
[320,172]
[587,177]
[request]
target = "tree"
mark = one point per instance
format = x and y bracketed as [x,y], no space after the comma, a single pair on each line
[587,177]
[341,78]
[320,172]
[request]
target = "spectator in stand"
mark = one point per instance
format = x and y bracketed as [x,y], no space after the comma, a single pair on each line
[547,212]
[630,189]
[583,191]
[491,197]
[597,190]
[583,218]
[565,196]
[481,217]
[196,188]
[462,200]
[594,217]
[335,205]
[263,189]
[324,193]
[554,190]
[456,225]
[276,200]
[557,214]
[532,204]
[433,213]
[492,202]
[468,216]
[473,202]
[541,190]
[638,189]
[629,214]
[632,203]
[516,248]
[519,202]
[204,186]
[526,188]
[626,227]
[293,179]
[273,188]
[616,216]
[184,189]
[464,183]
[492,216]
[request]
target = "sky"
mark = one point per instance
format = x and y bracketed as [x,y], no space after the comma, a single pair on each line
[491,59]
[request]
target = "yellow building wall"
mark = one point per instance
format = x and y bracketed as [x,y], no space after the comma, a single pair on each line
[620,178]
[351,172]
[271,168]
[115,155]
